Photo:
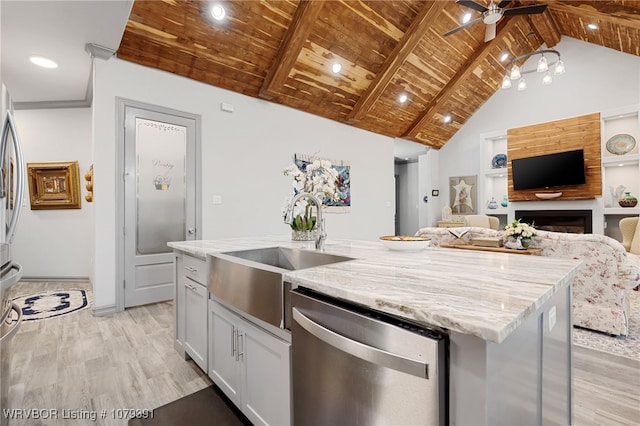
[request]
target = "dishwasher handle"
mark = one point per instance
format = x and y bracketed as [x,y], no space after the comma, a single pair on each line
[362,351]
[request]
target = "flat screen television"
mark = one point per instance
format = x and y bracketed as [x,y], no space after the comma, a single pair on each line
[549,171]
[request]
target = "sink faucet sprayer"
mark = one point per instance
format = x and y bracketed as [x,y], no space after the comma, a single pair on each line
[288,218]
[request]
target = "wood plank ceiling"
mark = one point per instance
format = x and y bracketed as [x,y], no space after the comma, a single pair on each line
[282,51]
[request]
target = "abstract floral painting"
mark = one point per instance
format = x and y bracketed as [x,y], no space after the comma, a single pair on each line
[343,183]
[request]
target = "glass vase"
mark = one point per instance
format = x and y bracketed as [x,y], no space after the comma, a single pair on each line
[304,235]
[525,243]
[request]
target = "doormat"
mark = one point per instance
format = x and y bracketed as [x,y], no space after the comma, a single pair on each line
[51,304]
[208,406]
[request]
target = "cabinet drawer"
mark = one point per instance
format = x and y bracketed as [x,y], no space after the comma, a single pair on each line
[194,268]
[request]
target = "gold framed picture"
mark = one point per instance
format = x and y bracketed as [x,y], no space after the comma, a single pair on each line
[54,185]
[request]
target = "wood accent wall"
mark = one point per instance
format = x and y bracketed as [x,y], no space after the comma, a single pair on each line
[557,136]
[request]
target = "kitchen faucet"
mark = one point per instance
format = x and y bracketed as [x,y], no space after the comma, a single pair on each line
[288,219]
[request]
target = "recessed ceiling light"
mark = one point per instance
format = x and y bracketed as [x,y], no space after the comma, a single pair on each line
[336,67]
[466,18]
[504,56]
[592,26]
[218,12]
[43,62]
[403,98]
[446,119]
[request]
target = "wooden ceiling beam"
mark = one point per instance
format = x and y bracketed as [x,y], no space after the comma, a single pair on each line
[423,21]
[454,84]
[546,27]
[291,46]
[626,16]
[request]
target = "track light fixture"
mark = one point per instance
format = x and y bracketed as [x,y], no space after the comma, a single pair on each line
[515,72]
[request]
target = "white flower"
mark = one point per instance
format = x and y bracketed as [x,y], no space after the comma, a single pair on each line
[319,178]
[520,230]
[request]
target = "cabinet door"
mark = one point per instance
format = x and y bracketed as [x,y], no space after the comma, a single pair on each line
[195,312]
[224,368]
[267,378]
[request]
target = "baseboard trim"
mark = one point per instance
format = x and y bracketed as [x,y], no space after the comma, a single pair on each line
[102,311]
[56,279]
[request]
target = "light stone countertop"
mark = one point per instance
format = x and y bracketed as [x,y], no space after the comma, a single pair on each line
[483,294]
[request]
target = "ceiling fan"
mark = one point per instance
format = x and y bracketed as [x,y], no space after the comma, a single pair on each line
[491,14]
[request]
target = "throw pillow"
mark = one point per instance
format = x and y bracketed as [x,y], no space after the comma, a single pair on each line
[635,243]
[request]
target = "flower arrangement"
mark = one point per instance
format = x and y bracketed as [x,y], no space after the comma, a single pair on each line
[318,178]
[522,232]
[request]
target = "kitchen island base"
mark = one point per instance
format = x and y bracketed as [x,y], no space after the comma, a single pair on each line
[525,380]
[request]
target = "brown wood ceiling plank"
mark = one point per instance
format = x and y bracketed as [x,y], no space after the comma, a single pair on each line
[546,27]
[618,13]
[293,42]
[452,86]
[394,61]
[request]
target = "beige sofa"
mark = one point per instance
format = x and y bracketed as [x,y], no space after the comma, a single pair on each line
[600,287]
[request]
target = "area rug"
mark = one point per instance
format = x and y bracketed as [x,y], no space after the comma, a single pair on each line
[51,304]
[626,346]
[207,407]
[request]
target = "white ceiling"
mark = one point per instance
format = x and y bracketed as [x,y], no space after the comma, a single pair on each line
[58,30]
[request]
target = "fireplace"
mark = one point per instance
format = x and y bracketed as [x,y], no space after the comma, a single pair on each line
[572,221]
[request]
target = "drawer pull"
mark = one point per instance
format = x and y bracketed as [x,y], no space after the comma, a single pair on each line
[191,269]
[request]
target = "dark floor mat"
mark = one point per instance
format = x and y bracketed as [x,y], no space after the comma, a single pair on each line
[206,407]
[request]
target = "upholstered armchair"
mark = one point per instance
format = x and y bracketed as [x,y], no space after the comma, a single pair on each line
[482,221]
[630,228]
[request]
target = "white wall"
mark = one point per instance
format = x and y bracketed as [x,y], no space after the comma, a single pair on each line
[243,155]
[597,79]
[55,243]
[407,197]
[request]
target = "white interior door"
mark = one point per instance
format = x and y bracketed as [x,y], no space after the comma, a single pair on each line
[159,200]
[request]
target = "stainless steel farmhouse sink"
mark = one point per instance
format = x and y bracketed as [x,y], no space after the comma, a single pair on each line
[251,280]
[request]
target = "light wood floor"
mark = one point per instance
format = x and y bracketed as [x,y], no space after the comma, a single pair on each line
[81,362]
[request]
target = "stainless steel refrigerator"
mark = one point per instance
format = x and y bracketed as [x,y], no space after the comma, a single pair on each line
[12,182]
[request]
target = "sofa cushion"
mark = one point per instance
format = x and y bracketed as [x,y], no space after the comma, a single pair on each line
[478,221]
[635,243]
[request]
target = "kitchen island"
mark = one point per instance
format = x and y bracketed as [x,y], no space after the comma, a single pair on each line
[508,317]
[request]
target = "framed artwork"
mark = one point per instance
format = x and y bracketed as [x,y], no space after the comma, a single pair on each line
[343,182]
[54,185]
[463,194]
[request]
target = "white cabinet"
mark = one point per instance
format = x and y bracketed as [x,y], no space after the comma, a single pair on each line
[191,308]
[251,366]
[195,317]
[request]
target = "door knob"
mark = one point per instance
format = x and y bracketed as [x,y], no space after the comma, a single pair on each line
[191,230]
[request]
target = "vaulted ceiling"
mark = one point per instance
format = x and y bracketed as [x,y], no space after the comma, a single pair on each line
[282,51]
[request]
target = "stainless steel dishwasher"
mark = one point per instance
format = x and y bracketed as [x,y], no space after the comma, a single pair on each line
[353,366]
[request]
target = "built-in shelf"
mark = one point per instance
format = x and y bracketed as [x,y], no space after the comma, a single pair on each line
[621,160]
[630,211]
[617,170]
[620,170]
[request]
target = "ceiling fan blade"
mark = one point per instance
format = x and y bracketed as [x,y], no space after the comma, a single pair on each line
[503,3]
[462,27]
[472,5]
[490,32]
[525,10]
